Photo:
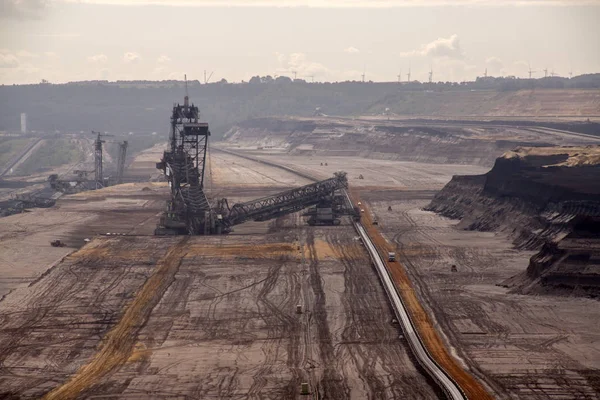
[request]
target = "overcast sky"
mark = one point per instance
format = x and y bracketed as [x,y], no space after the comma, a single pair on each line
[70,40]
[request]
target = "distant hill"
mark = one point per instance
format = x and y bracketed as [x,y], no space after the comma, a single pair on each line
[144,106]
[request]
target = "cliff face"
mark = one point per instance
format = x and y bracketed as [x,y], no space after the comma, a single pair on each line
[546,199]
[569,267]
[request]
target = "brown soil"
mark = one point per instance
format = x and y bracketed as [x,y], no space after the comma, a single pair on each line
[118,345]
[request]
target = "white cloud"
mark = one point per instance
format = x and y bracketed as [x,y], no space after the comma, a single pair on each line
[131,57]
[23,9]
[308,69]
[299,62]
[50,54]
[8,60]
[26,54]
[163,59]
[351,50]
[521,64]
[448,69]
[441,47]
[495,65]
[97,59]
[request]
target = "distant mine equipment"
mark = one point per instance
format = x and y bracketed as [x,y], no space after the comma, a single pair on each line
[319,112]
[99,177]
[391,256]
[304,389]
[361,176]
[121,161]
[79,184]
[22,202]
[329,211]
[57,243]
[81,181]
[389,208]
[189,211]
[453,268]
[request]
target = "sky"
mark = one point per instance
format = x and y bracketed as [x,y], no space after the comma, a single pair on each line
[320,40]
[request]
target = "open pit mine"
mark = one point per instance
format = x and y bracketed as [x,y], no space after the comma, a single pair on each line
[313,258]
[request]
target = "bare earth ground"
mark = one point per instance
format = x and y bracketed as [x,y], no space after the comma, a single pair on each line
[524,347]
[25,238]
[25,251]
[141,316]
[204,317]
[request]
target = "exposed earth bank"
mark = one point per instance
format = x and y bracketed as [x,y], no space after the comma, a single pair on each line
[475,142]
[545,199]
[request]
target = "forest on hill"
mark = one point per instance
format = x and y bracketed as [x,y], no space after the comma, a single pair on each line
[145,106]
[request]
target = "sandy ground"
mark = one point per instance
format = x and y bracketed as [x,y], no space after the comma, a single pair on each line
[526,347]
[377,173]
[142,317]
[25,251]
[143,166]
[235,172]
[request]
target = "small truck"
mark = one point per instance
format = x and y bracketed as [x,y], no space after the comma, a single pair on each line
[391,256]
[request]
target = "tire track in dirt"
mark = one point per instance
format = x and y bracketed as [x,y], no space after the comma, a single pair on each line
[332,385]
[372,344]
[118,344]
[281,325]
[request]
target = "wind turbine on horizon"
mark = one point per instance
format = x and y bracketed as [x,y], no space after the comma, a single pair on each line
[530,71]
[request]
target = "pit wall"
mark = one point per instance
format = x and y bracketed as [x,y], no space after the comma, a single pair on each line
[540,208]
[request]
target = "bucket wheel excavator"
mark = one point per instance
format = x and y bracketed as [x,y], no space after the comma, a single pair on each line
[190,212]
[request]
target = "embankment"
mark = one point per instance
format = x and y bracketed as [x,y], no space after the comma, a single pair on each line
[545,199]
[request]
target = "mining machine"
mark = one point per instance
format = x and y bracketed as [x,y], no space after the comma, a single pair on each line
[121,161]
[188,209]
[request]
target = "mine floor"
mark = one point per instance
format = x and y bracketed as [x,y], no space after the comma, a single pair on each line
[136,316]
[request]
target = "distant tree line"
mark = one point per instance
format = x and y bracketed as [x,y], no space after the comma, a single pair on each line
[144,107]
